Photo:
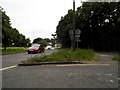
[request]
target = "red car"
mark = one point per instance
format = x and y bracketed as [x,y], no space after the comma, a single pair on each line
[36,48]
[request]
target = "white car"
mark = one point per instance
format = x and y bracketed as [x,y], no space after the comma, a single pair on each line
[49,47]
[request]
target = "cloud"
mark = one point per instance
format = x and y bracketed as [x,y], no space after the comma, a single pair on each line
[39,16]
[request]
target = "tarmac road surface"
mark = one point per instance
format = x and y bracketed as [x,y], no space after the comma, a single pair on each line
[14,59]
[62,76]
[101,74]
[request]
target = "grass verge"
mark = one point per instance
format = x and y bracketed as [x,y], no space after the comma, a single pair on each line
[12,50]
[116,58]
[65,55]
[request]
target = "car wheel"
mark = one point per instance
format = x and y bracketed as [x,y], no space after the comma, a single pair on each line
[38,51]
[29,53]
[43,51]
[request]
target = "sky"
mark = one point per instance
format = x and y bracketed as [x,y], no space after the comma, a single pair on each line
[37,18]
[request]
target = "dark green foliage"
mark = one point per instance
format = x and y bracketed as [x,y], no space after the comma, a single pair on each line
[37,40]
[65,24]
[41,41]
[99,23]
[11,36]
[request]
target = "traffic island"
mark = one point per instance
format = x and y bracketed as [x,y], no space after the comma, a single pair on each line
[63,56]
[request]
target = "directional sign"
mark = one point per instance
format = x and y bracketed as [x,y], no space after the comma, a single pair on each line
[77,40]
[77,31]
[77,35]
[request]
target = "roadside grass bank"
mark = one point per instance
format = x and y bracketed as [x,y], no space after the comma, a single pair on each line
[12,50]
[65,55]
[116,58]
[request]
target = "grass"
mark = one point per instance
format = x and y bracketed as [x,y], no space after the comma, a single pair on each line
[116,58]
[12,50]
[66,55]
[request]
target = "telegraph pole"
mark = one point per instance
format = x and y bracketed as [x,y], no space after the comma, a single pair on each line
[73,41]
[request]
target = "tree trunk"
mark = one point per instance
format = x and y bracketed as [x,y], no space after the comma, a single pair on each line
[5,47]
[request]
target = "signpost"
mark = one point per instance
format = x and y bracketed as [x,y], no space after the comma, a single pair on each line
[77,31]
[73,40]
[77,35]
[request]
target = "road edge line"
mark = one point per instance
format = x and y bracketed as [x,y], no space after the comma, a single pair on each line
[8,67]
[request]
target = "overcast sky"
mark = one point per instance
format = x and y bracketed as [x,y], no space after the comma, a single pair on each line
[36,18]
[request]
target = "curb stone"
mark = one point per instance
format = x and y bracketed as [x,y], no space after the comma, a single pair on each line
[50,63]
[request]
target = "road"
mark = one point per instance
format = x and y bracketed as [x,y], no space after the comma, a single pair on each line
[93,75]
[14,59]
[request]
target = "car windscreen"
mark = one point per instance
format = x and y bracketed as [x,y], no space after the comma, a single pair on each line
[35,46]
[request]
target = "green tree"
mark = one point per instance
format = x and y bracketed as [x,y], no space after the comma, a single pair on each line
[37,40]
[65,24]
[41,41]
[11,36]
[47,39]
[6,28]
[99,23]
[28,41]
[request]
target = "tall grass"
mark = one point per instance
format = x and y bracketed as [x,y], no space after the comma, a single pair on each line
[67,55]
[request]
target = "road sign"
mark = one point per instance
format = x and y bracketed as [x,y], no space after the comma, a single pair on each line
[77,40]
[77,31]
[74,36]
[77,35]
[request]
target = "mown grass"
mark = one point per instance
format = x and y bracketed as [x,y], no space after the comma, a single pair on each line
[12,50]
[66,55]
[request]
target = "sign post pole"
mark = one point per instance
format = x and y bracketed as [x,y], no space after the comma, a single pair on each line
[73,41]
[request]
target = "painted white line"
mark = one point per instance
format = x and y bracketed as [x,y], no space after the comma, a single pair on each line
[104,55]
[82,65]
[118,78]
[8,67]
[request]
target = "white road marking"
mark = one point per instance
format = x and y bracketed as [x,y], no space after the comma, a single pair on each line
[111,81]
[102,55]
[108,74]
[8,67]
[118,78]
[81,65]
